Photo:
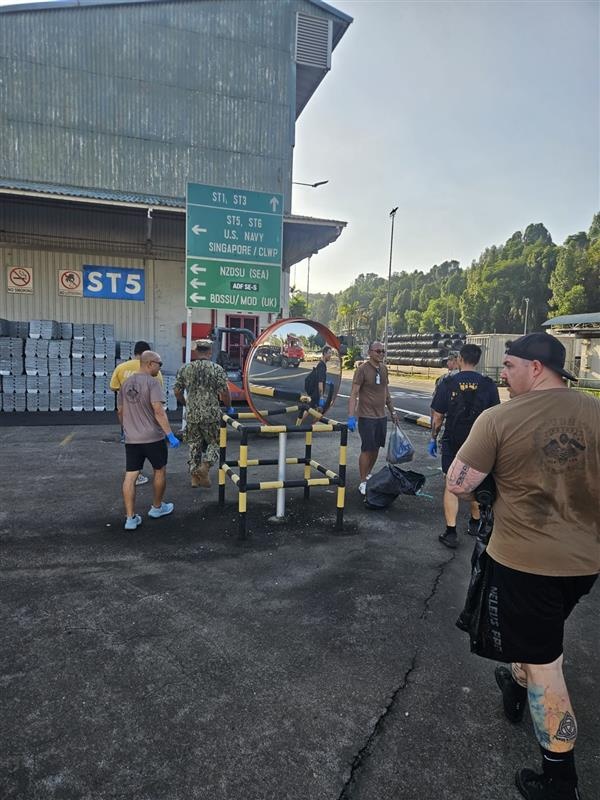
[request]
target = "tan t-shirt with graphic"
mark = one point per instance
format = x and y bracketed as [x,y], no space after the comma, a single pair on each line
[543,448]
[135,399]
[372,395]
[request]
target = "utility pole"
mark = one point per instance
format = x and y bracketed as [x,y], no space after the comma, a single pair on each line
[389,288]
[307,284]
[526,299]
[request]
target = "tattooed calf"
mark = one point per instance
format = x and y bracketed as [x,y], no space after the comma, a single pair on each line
[567,729]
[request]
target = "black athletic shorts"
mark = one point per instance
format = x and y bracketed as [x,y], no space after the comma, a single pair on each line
[136,454]
[527,612]
[448,456]
[372,433]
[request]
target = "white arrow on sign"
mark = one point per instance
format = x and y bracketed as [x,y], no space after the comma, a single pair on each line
[196,268]
[274,202]
[195,298]
[197,229]
[196,284]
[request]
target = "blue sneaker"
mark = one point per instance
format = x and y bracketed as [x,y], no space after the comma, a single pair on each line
[131,523]
[161,511]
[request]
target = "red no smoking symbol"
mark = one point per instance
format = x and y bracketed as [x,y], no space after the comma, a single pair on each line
[19,276]
[70,280]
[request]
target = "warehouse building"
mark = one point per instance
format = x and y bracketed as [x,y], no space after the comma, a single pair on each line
[109,109]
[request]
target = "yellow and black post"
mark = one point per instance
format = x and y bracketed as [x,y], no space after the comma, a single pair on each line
[341,492]
[243,482]
[222,458]
[307,460]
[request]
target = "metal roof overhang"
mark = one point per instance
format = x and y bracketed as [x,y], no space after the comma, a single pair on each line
[302,236]
[576,323]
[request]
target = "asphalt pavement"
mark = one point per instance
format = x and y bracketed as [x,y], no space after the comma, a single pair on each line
[177,662]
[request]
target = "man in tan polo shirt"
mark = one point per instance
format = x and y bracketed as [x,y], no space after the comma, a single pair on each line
[370,394]
[543,450]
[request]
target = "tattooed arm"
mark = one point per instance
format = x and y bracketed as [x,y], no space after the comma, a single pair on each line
[437,421]
[462,479]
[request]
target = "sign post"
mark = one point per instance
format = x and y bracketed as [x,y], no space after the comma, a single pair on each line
[234,243]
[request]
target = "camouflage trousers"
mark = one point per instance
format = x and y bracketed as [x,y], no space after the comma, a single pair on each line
[203,439]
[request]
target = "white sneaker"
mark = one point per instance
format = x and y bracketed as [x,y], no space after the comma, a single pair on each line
[141,480]
[161,511]
[362,487]
[131,523]
[370,475]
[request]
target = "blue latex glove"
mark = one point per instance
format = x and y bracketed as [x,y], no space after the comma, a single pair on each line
[173,440]
[352,423]
[432,448]
[230,410]
[322,402]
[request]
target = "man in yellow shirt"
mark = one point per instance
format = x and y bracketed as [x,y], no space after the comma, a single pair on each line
[125,370]
[128,368]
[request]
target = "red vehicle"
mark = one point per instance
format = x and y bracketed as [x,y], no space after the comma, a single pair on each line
[290,354]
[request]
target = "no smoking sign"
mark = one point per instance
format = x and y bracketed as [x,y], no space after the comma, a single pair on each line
[70,282]
[19,280]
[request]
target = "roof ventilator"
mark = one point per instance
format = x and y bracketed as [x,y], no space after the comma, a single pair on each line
[313,41]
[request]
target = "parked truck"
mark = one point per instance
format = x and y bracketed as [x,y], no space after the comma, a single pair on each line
[288,354]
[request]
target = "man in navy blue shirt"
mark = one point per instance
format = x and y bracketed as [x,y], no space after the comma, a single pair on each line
[458,400]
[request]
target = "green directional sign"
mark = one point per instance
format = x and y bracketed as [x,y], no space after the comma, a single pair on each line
[234,241]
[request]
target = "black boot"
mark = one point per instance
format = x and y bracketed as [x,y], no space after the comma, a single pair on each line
[514,697]
[539,787]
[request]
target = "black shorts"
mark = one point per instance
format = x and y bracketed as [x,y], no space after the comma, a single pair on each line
[448,456]
[527,612]
[136,454]
[372,433]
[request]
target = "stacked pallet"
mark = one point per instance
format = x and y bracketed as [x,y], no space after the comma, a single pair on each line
[47,365]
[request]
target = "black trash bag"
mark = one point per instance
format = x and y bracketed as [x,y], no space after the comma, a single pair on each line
[475,618]
[385,486]
[469,617]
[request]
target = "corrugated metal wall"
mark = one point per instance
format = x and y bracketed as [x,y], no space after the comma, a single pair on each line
[137,98]
[146,97]
[59,224]
[132,319]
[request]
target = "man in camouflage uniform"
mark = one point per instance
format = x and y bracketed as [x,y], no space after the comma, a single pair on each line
[206,385]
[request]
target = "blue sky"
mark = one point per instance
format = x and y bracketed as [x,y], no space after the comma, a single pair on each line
[474,118]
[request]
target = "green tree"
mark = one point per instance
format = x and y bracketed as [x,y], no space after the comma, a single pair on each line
[323,308]
[413,320]
[594,231]
[298,307]
[536,234]
[575,283]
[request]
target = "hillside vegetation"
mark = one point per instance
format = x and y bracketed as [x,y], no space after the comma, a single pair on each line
[489,296]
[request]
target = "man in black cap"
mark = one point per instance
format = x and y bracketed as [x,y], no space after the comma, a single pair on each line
[457,402]
[543,450]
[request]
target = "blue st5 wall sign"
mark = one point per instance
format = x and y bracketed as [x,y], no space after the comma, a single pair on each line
[113,283]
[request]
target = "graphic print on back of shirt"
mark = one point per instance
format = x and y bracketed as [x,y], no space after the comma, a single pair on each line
[132,391]
[562,445]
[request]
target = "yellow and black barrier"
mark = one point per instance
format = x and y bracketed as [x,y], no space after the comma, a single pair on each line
[239,479]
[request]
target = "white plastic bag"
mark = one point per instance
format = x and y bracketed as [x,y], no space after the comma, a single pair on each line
[400,449]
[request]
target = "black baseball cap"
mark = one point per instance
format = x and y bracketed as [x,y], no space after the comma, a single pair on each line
[541,347]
